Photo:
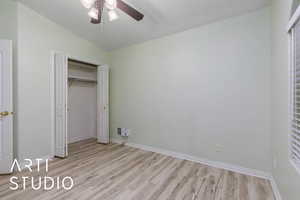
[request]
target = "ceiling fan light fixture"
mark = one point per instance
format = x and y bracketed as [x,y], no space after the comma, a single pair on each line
[112,15]
[94,13]
[88,3]
[98,7]
[111,4]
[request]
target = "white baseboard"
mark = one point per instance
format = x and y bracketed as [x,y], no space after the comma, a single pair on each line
[275,189]
[216,164]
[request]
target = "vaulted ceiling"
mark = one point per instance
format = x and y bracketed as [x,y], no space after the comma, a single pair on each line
[162,17]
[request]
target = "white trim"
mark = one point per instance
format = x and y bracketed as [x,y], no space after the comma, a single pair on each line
[104,67]
[103,104]
[290,90]
[294,19]
[59,112]
[275,188]
[6,98]
[52,98]
[216,164]
[291,75]
[52,106]
[101,67]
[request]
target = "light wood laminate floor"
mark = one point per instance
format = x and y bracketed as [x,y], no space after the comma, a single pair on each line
[116,172]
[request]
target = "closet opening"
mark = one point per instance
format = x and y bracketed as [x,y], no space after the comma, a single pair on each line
[80,103]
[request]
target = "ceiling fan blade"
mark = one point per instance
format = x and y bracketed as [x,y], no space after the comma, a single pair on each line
[95,21]
[99,4]
[129,10]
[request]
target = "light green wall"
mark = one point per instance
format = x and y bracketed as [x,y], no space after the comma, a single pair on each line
[203,92]
[181,66]
[285,174]
[8,19]
[37,38]
[34,37]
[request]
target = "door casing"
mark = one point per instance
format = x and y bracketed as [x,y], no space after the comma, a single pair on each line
[102,102]
[6,107]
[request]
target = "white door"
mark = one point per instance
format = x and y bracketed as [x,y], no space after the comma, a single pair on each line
[60,93]
[103,105]
[6,107]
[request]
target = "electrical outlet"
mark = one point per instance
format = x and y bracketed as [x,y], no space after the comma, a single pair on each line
[127,132]
[119,130]
[124,132]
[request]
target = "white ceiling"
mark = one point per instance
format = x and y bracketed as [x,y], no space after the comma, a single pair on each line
[162,17]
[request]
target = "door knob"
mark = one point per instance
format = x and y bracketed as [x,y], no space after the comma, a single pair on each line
[5,113]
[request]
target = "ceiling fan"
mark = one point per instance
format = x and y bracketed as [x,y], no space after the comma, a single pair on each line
[96,8]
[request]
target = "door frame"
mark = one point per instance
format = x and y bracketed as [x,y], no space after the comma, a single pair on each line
[52,99]
[52,94]
[103,104]
[8,104]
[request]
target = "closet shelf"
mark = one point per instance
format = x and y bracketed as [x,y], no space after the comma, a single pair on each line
[79,78]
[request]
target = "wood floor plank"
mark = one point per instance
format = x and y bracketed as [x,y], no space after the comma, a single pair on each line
[116,172]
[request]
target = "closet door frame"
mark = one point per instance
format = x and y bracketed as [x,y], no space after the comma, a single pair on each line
[103,102]
[59,115]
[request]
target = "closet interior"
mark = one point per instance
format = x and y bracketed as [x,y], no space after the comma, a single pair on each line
[82,101]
